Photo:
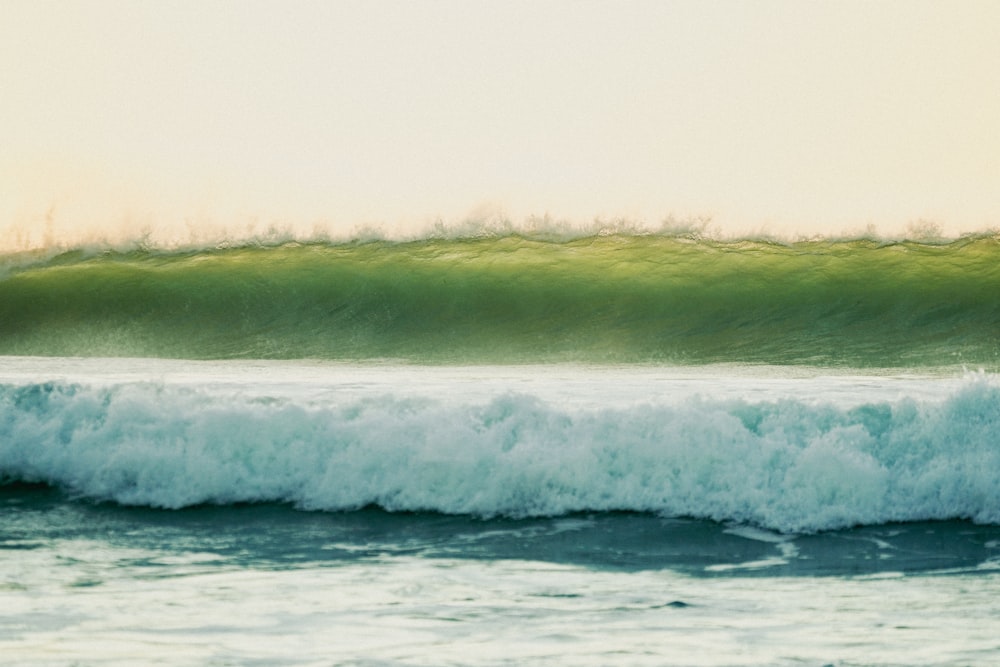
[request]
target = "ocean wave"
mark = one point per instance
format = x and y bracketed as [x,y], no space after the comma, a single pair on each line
[616,298]
[786,465]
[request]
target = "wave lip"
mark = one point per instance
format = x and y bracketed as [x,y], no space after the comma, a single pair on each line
[785,465]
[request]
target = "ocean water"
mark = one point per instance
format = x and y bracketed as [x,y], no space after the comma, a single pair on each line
[626,450]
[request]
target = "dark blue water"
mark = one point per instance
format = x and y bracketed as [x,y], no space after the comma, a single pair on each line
[279,536]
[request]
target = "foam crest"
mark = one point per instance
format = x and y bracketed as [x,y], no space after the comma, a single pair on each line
[788,465]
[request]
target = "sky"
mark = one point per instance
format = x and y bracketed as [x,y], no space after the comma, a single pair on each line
[129,117]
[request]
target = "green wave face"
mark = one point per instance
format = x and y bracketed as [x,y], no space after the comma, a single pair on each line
[606,299]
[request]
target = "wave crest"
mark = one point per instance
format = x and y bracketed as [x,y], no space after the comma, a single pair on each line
[514,299]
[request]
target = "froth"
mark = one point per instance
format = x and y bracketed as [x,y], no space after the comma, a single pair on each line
[785,465]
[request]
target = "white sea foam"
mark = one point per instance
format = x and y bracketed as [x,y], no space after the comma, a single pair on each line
[787,464]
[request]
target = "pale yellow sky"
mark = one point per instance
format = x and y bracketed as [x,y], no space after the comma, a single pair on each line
[787,116]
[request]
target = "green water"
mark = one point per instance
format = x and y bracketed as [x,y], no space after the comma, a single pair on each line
[616,299]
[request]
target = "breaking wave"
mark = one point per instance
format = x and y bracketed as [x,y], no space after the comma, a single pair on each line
[514,298]
[787,465]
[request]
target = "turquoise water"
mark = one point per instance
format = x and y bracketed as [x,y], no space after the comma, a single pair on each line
[313,513]
[794,455]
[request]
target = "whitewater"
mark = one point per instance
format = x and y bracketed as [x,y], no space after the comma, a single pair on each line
[538,443]
[636,450]
[316,512]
